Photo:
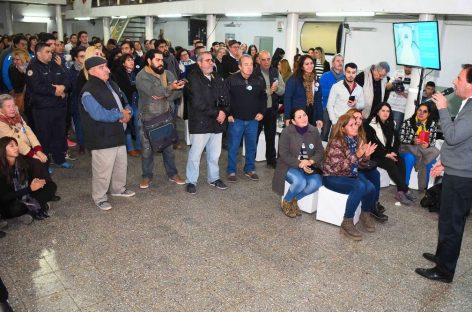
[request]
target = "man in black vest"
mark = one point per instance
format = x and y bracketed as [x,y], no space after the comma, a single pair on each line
[104,120]
[275,88]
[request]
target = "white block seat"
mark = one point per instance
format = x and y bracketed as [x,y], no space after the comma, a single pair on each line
[384,177]
[308,203]
[261,147]
[331,207]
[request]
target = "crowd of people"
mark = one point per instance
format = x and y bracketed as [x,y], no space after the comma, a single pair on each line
[107,96]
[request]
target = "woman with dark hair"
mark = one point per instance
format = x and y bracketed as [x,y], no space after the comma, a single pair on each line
[417,137]
[300,152]
[185,63]
[32,41]
[252,51]
[278,55]
[345,155]
[125,77]
[321,64]
[25,187]
[380,130]
[303,90]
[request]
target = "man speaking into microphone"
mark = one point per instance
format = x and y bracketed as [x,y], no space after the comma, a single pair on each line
[456,198]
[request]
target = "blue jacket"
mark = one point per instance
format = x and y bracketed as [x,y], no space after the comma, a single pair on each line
[295,96]
[327,80]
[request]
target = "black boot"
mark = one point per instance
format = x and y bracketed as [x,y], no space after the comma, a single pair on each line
[380,207]
[377,215]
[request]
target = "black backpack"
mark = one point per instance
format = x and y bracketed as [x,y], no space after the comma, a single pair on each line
[432,198]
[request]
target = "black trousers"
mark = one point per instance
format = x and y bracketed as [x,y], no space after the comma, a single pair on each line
[3,292]
[396,171]
[14,209]
[456,200]
[50,128]
[269,123]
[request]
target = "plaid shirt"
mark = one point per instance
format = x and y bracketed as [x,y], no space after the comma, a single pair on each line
[408,132]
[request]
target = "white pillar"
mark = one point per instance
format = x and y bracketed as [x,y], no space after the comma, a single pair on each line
[149,27]
[414,88]
[291,37]
[60,30]
[106,29]
[8,19]
[211,30]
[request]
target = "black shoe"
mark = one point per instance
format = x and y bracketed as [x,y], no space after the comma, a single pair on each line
[219,184]
[5,306]
[379,216]
[434,275]
[271,164]
[55,198]
[191,188]
[2,234]
[430,257]
[380,208]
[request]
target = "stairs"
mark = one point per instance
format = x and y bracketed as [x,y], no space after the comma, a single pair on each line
[132,28]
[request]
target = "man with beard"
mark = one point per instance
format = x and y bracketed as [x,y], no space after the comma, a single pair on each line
[345,94]
[327,80]
[158,89]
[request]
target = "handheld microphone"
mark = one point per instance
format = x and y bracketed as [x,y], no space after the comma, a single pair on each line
[443,92]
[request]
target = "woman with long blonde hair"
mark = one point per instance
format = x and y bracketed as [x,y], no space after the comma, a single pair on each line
[284,69]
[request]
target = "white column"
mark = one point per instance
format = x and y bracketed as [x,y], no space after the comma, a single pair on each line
[149,27]
[60,30]
[415,79]
[291,37]
[106,29]
[211,30]
[8,19]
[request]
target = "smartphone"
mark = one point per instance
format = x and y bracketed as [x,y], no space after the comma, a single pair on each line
[352,98]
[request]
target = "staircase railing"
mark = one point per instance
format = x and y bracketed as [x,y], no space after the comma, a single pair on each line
[118,27]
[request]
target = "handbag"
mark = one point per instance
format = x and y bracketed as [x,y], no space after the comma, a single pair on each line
[160,131]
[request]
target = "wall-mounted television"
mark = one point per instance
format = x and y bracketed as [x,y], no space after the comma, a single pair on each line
[417,44]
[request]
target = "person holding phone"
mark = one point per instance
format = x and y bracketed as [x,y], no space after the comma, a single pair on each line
[345,94]
[417,137]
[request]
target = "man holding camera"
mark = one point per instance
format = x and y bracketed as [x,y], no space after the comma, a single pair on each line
[345,94]
[399,94]
[208,107]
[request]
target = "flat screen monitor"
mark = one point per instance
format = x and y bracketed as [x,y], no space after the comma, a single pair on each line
[417,44]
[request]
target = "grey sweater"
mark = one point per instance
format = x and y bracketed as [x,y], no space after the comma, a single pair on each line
[456,152]
[149,85]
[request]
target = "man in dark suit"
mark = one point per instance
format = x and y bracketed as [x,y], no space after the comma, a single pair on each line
[456,198]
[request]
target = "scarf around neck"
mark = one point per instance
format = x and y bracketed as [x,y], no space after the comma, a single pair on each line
[337,76]
[162,78]
[421,126]
[308,81]
[11,121]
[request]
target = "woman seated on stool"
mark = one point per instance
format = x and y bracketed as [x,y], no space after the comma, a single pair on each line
[369,171]
[380,130]
[417,137]
[24,184]
[300,153]
[345,155]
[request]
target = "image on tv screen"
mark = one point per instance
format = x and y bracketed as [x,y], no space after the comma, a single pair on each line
[417,44]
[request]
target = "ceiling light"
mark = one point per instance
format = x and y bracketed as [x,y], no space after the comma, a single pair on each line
[331,14]
[83,18]
[36,19]
[169,15]
[123,16]
[243,14]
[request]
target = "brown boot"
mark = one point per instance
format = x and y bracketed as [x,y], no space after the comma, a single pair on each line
[287,209]
[295,207]
[367,221]
[349,229]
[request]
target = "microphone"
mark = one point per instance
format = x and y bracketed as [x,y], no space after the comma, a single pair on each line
[443,92]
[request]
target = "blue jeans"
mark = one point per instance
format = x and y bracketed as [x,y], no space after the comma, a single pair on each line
[301,184]
[212,143]
[360,190]
[398,118]
[236,131]
[373,175]
[147,157]
[410,160]
[129,139]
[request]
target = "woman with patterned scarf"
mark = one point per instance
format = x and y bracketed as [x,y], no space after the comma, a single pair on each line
[303,90]
[417,137]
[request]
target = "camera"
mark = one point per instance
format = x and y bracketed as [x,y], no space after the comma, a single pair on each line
[398,86]
[221,102]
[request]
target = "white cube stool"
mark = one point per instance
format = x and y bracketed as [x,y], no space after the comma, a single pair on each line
[261,147]
[384,177]
[308,203]
[331,207]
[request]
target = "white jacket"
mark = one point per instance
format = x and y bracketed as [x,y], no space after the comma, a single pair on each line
[338,98]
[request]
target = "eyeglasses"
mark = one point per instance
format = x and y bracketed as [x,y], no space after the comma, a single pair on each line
[423,111]
[208,60]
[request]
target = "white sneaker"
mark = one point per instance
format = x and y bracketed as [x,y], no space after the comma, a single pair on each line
[125,193]
[104,205]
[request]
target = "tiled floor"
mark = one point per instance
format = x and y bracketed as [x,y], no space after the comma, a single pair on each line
[218,250]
